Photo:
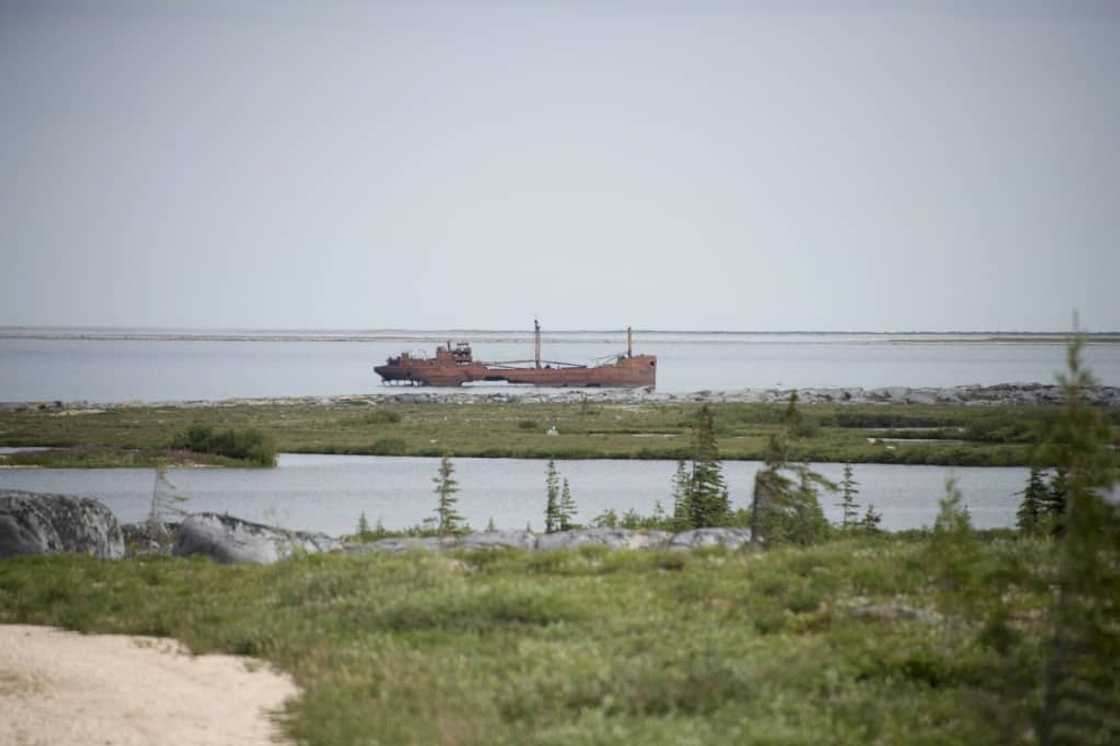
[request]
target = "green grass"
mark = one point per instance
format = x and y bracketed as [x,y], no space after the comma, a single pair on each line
[988,436]
[94,457]
[599,647]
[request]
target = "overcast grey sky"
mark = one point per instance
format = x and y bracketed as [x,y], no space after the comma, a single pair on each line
[692,165]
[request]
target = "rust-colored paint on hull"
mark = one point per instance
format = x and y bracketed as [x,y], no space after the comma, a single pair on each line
[455,366]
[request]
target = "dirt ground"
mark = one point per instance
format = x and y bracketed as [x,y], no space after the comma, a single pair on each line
[63,688]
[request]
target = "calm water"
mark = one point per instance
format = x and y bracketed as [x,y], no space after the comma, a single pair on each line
[33,369]
[327,493]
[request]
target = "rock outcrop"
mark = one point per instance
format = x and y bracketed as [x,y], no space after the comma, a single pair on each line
[228,539]
[611,538]
[1002,394]
[516,539]
[38,523]
[732,538]
[397,545]
[146,539]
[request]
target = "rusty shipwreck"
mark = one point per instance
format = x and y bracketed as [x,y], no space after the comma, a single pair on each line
[455,365]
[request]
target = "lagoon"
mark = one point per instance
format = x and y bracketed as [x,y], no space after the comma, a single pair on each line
[328,492]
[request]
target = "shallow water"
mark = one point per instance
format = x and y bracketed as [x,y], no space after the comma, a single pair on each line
[328,493]
[34,369]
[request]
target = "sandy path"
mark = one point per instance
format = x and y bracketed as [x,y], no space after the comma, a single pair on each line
[63,688]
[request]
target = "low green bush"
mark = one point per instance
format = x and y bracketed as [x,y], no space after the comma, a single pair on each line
[251,446]
[1007,429]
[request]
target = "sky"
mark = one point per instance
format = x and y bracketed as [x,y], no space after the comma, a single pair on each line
[766,166]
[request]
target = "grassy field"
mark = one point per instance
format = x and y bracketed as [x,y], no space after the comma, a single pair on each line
[99,457]
[908,434]
[868,639]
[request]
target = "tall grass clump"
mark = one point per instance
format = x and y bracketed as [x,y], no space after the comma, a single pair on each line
[382,417]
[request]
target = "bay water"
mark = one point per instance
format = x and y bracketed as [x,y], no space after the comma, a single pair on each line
[117,366]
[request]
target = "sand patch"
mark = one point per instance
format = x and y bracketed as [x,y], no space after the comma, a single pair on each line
[63,688]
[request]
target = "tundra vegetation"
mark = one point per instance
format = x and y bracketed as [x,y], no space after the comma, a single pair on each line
[903,434]
[850,635]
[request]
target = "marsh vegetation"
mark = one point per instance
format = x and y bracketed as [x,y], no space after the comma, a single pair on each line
[899,434]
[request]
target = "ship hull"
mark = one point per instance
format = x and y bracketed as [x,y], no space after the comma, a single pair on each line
[628,372]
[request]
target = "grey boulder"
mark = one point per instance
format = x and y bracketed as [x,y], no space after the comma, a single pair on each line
[516,539]
[922,397]
[38,523]
[612,538]
[711,537]
[229,540]
[402,544]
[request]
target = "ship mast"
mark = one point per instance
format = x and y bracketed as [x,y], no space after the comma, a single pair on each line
[629,343]
[537,342]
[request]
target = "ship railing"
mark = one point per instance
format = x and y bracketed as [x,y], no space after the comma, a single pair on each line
[520,364]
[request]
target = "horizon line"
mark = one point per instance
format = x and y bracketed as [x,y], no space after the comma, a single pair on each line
[612,330]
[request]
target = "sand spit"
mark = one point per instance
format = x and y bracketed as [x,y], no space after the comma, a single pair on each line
[63,688]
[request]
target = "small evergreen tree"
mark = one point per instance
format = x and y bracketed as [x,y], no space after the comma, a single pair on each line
[953,552]
[707,501]
[606,519]
[792,416]
[490,524]
[1032,508]
[164,507]
[849,488]
[681,480]
[784,505]
[363,524]
[809,524]
[1054,502]
[552,518]
[953,518]
[447,519]
[871,520]
[567,508]
[768,500]
[1081,701]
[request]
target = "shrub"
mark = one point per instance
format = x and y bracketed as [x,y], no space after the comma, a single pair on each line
[1004,429]
[244,445]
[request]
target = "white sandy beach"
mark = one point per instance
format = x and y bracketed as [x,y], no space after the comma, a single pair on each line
[63,688]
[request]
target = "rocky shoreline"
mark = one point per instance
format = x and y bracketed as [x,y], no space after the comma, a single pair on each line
[1003,394]
[39,523]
